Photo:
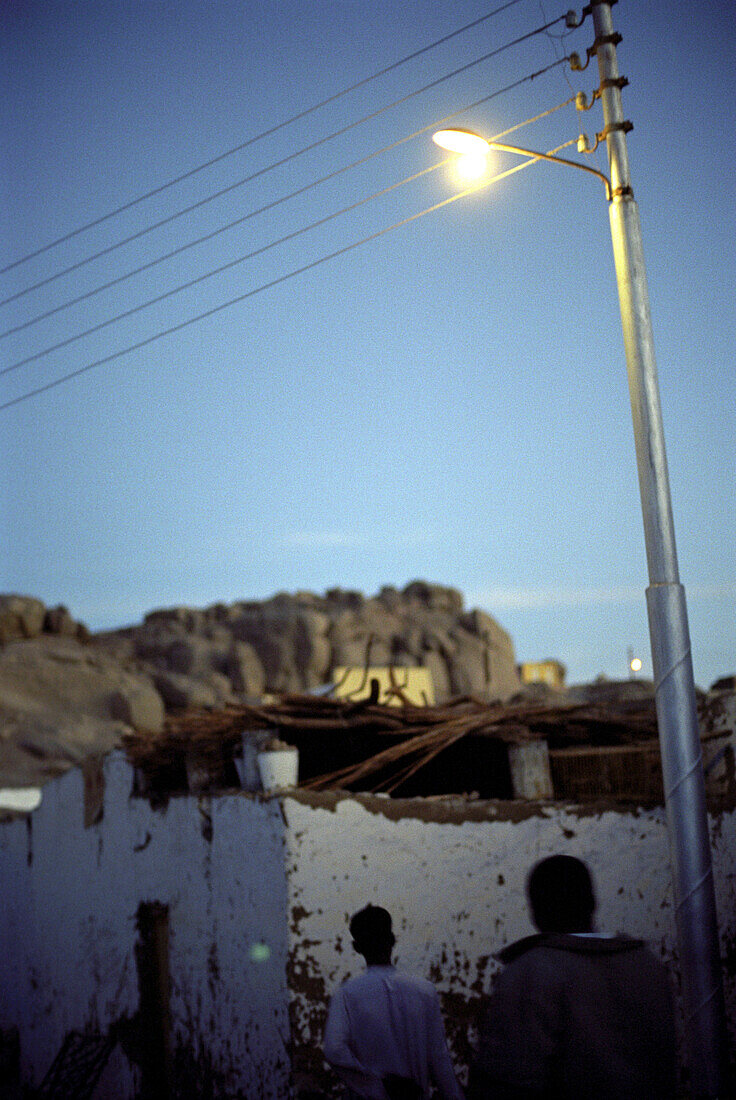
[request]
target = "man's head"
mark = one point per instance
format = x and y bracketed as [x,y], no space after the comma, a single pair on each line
[561,896]
[372,935]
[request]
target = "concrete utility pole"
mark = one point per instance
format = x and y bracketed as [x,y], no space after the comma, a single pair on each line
[679,736]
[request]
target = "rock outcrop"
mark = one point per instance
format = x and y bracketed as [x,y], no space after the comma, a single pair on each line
[61,700]
[234,652]
[26,617]
[65,693]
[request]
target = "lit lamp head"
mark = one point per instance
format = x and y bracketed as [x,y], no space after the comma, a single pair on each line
[471,148]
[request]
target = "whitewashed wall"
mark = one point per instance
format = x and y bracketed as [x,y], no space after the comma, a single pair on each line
[67,958]
[288,873]
[453,877]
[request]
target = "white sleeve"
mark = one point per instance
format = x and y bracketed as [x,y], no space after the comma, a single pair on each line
[339,1053]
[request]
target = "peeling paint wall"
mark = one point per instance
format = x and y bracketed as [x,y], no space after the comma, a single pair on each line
[259,893]
[67,954]
[455,888]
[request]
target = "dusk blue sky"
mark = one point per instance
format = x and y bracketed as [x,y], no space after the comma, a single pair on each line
[447,401]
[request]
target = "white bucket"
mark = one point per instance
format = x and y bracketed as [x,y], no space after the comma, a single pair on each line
[278,768]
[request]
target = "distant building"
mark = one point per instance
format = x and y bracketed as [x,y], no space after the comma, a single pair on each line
[394,686]
[549,672]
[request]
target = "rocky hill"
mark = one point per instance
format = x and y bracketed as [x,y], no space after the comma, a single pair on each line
[65,692]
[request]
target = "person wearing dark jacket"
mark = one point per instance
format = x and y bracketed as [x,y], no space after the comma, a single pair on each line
[575,1014]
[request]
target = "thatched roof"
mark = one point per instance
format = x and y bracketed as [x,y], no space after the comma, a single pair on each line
[380,747]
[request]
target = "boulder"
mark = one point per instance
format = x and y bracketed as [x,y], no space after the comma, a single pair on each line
[139,705]
[152,644]
[353,629]
[192,656]
[20,617]
[390,597]
[483,626]
[190,618]
[245,670]
[340,598]
[410,643]
[117,644]
[313,622]
[469,666]
[273,638]
[313,657]
[437,668]
[504,675]
[220,683]
[57,620]
[179,691]
[359,649]
[61,700]
[312,648]
[437,638]
[435,596]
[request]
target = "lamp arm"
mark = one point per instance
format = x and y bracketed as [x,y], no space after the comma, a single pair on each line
[557,160]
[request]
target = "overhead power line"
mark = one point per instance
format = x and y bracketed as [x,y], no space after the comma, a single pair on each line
[258,137]
[279,163]
[294,194]
[217,270]
[274,282]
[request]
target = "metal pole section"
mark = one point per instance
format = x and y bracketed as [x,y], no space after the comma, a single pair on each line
[679,736]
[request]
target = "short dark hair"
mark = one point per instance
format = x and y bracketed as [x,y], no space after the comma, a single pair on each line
[561,895]
[371,927]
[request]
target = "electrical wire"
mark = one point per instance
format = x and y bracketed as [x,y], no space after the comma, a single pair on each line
[542,114]
[217,270]
[274,282]
[258,137]
[557,39]
[294,194]
[279,163]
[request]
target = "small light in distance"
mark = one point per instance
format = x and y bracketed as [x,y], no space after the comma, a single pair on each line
[259,952]
[635,664]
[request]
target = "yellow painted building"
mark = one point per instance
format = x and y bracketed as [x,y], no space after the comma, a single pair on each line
[549,672]
[394,683]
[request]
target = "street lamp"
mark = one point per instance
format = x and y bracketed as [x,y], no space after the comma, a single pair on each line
[476,148]
[682,767]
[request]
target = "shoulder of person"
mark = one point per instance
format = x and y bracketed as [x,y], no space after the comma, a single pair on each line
[354,983]
[413,981]
[416,987]
[551,943]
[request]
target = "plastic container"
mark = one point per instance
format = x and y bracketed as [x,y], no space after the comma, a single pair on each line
[278,768]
